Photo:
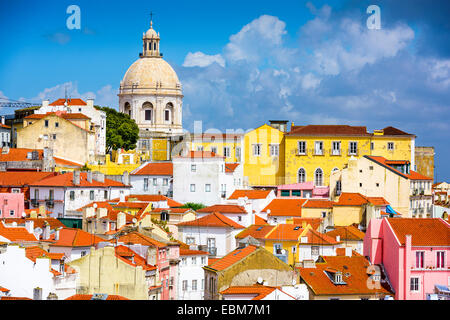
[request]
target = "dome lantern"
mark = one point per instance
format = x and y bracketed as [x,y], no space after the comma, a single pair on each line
[151,43]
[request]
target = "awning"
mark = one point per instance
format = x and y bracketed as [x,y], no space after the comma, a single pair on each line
[391,211]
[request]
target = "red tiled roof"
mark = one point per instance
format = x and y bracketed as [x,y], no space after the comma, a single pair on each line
[213,220]
[35,252]
[22,178]
[37,222]
[383,162]
[155,169]
[223,208]
[259,220]
[4,126]
[232,258]
[328,130]
[256,231]
[354,274]
[61,114]
[151,198]
[66,180]
[285,207]
[138,238]
[230,167]
[424,231]
[391,131]
[16,234]
[189,252]
[14,298]
[70,102]
[123,252]
[2,289]
[346,233]
[413,175]
[317,238]
[172,210]
[314,222]
[259,291]
[351,199]
[377,201]
[89,297]
[318,203]
[19,154]
[285,232]
[64,162]
[250,194]
[71,237]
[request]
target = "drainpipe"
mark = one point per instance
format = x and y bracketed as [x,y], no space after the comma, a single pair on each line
[407,266]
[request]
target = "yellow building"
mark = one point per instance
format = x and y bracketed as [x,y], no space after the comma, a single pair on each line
[227,145]
[69,135]
[264,160]
[314,151]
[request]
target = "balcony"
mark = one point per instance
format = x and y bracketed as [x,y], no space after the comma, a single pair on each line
[35,202]
[49,203]
[223,194]
[212,251]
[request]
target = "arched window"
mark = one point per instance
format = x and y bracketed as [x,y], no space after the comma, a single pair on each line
[148,111]
[127,108]
[154,46]
[301,175]
[318,175]
[168,112]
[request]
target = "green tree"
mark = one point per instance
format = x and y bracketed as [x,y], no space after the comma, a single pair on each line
[121,130]
[194,206]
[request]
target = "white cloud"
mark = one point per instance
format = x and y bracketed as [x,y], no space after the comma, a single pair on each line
[199,59]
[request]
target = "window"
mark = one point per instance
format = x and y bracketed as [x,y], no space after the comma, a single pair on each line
[390,146]
[440,259]
[239,218]
[54,136]
[91,195]
[165,182]
[167,115]
[414,284]
[353,148]
[15,190]
[274,150]
[302,147]
[194,260]
[207,187]
[214,149]
[72,195]
[194,285]
[238,152]
[184,285]
[51,194]
[371,146]
[45,136]
[183,261]
[314,250]
[420,259]
[145,184]
[294,249]
[193,167]
[324,214]
[318,148]
[336,148]
[11,212]
[148,115]
[155,181]
[203,262]
[46,123]
[338,187]
[257,150]
[192,187]
[83,253]
[301,175]
[226,152]
[318,177]
[190,240]
[56,124]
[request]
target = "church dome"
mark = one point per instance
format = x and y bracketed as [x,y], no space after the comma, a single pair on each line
[149,74]
[151,33]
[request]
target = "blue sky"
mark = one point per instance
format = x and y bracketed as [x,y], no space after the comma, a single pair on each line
[242,63]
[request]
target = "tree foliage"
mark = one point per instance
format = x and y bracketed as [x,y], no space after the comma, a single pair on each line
[122,132]
[194,206]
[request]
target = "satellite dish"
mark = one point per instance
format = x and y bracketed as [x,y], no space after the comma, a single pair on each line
[95,206]
[265,283]
[268,211]
[134,220]
[283,251]
[24,214]
[260,280]
[38,231]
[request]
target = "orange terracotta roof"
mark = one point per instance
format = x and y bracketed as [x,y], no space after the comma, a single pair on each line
[172,210]
[314,222]
[413,175]
[230,167]
[318,238]
[22,178]
[285,232]
[71,237]
[189,252]
[35,252]
[377,201]
[124,252]
[424,231]
[64,162]
[138,238]
[329,130]
[61,114]
[89,297]
[100,204]
[19,154]
[347,233]
[66,180]
[382,162]
[70,102]
[351,199]
[223,208]
[232,258]
[212,260]
[391,131]
[213,220]
[354,274]
[37,222]
[14,298]
[16,234]
[256,231]
[259,220]
[151,198]
[259,291]
[211,137]
[200,155]
[318,203]
[4,126]
[155,169]
[250,194]
[285,207]
[2,289]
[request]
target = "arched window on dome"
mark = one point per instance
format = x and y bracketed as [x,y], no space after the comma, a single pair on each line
[318,175]
[127,108]
[168,112]
[148,111]
[301,175]
[154,46]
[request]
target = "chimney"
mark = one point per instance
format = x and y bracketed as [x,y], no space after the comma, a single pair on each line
[3,119]
[33,214]
[76,178]
[52,296]
[120,220]
[126,178]
[57,233]
[348,251]
[102,212]
[29,225]
[46,233]
[90,103]
[37,293]
[89,176]
[122,197]
[338,238]
[45,103]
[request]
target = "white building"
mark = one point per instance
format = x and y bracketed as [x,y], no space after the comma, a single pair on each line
[191,280]
[98,117]
[5,134]
[242,215]
[199,177]
[26,272]
[64,194]
[214,233]
[152,178]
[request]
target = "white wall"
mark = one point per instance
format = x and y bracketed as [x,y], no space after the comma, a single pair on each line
[225,237]
[189,271]
[137,184]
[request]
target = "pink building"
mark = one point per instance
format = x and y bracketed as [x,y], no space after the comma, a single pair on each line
[11,205]
[303,190]
[415,254]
